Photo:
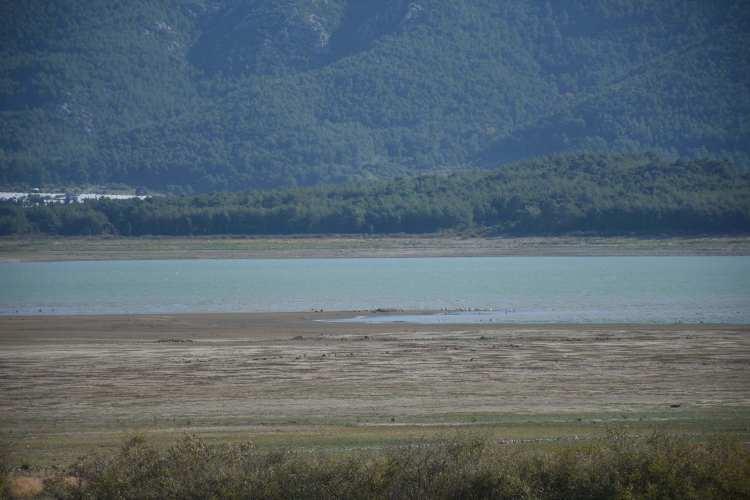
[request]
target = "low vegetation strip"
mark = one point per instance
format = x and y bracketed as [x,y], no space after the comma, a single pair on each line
[587,193]
[618,466]
[46,248]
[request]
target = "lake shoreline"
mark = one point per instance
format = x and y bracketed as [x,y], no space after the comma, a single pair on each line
[274,325]
[45,249]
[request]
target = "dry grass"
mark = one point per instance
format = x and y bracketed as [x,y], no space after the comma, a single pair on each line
[24,487]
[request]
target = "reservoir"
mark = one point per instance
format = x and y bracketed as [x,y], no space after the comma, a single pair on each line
[493,289]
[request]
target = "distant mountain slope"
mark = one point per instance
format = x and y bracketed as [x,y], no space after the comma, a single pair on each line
[692,101]
[229,94]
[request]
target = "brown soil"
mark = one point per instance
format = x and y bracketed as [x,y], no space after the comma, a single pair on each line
[80,384]
[87,372]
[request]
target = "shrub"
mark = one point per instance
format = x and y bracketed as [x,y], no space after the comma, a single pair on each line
[619,466]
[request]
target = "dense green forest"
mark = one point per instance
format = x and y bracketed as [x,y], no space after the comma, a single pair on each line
[207,95]
[580,193]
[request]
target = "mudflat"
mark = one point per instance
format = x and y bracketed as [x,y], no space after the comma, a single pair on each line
[102,248]
[72,385]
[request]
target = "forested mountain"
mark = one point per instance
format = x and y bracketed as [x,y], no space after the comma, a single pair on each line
[582,193]
[229,95]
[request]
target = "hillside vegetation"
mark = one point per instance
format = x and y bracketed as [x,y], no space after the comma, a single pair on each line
[593,194]
[206,95]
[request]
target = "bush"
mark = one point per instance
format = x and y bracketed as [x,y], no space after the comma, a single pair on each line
[619,466]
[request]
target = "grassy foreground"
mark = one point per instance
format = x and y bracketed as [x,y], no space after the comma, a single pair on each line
[619,465]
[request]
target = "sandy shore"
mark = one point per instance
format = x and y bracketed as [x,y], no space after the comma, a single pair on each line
[55,249]
[263,326]
[71,383]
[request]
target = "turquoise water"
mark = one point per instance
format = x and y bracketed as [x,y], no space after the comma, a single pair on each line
[508,289]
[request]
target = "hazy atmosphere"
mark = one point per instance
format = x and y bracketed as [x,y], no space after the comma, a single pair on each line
[374,249]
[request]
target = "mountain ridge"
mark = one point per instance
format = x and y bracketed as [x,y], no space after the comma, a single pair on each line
[216,95]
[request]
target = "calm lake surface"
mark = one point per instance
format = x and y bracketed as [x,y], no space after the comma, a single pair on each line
[507,289]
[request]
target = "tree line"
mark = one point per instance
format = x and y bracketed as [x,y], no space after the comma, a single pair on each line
[581,193]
